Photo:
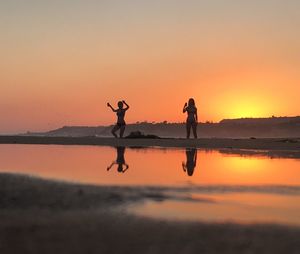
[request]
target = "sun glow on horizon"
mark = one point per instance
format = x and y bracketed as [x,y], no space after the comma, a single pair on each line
[247,109]
[245,101]
[64,60]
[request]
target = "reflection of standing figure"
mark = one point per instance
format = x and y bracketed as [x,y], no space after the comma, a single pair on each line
[191,161]
[120,161]
[192,119]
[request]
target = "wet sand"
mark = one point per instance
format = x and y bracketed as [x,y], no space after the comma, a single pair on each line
[42,216]
[273,144]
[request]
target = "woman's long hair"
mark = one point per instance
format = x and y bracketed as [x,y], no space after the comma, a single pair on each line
[191,102]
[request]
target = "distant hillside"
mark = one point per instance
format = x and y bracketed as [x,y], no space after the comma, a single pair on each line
[265,121]
[78,131]
[230,128]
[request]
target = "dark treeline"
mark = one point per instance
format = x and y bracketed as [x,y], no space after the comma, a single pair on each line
[230,128]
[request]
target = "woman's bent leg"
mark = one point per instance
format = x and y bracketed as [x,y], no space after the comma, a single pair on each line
[113,131]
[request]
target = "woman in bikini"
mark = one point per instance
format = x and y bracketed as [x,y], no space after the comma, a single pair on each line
[192,119]
[120,125]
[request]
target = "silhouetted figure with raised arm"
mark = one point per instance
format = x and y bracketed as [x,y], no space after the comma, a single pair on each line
[120,161]
[191,161]
[120,125]
[192,118]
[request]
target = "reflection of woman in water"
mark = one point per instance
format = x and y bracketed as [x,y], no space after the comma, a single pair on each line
[191,161]
[192,119]
[120,161]
[120,125]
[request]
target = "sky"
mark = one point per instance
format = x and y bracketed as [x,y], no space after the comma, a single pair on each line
[62,61]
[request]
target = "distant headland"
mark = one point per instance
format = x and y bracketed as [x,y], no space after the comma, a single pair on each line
[272,127]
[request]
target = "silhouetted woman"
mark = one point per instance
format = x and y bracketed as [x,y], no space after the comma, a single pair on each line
[191,161]
[120,161]
[192,119]
[120,125]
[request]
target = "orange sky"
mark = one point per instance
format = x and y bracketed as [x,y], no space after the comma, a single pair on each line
[61,61]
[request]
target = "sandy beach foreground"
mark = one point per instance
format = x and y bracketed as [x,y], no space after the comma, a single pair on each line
[288,144]
[41,216]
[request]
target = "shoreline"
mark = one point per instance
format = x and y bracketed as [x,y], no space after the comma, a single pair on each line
[40,215]
[271,144]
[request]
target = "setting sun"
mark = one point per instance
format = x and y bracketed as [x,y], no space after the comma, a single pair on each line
[245,102]
[245,109]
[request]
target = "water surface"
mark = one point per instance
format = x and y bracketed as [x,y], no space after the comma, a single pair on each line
[207,185]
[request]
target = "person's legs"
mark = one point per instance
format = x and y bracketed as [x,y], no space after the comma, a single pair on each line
[113,131]
[194,126]
[188,129]
[122,129]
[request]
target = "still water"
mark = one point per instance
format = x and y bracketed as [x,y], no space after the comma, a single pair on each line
[211,185]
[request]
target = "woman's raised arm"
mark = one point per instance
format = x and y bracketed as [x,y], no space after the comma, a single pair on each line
[127,106]
[108,105]
[184,108]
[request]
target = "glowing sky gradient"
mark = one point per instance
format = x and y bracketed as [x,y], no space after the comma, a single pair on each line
[61,61]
